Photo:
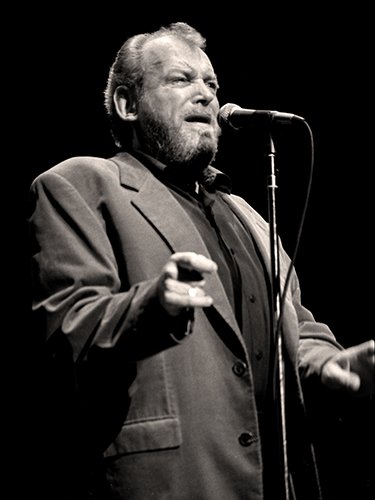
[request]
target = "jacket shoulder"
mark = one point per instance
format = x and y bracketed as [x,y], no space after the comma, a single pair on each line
[247,209]
[78,169]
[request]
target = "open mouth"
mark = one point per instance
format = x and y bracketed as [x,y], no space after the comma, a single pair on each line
[199,119]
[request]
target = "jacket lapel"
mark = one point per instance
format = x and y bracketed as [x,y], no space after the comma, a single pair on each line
[173,224]
[259,229]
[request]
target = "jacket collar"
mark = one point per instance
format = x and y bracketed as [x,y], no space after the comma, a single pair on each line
[132,173]
[213,178]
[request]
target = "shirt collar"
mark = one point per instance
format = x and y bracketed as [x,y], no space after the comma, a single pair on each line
[213,179]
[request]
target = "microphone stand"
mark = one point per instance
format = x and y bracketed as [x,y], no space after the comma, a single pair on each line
[276,313]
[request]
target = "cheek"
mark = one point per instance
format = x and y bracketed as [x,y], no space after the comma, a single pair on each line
[215,105]
[154,106]
[167,108]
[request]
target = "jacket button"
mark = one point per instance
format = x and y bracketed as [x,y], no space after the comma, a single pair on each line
[239,368]
[246,439]
[259,355]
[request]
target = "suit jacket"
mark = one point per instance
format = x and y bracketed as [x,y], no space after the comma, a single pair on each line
[167,412]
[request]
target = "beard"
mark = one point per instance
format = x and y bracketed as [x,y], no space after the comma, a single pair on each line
[185,153]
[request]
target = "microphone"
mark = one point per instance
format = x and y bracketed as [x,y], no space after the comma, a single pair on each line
[233,116]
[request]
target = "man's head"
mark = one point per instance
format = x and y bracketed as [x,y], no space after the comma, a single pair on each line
[161,97]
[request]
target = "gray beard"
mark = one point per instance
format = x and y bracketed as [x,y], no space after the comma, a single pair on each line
[166,144]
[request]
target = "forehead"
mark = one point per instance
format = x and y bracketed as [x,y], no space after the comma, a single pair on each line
[165,52]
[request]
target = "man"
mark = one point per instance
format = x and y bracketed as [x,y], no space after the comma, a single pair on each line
[152,284]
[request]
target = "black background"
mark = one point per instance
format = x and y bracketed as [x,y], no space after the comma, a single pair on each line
[314,61]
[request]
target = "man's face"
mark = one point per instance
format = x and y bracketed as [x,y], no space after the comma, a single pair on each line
[177,112]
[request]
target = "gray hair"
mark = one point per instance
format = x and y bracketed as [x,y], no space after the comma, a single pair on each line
[127,71]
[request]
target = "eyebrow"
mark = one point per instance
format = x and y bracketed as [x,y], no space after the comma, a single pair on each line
[185,67]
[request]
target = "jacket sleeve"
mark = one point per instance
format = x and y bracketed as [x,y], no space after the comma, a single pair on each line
[77,290]
[314,341]
[317,344]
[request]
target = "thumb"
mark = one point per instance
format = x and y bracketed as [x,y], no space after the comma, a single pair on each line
[338,377]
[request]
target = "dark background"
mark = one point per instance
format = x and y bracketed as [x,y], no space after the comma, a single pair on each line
[305,59]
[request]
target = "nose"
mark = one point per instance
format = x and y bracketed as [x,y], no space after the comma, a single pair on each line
[203,93]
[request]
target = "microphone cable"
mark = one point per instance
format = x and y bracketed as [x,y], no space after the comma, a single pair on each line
[300,227]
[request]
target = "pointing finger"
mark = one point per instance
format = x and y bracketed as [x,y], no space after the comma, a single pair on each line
[191,261]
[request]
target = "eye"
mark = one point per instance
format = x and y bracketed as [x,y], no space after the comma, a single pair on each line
[213,85]
[179,79]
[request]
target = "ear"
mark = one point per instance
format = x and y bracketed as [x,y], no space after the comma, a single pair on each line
[125,104]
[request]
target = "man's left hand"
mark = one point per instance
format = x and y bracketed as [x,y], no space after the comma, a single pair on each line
[352,370]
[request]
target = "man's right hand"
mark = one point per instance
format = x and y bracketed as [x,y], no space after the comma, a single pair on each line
[181,284]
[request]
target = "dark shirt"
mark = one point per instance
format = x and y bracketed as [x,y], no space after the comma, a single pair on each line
[240,267]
